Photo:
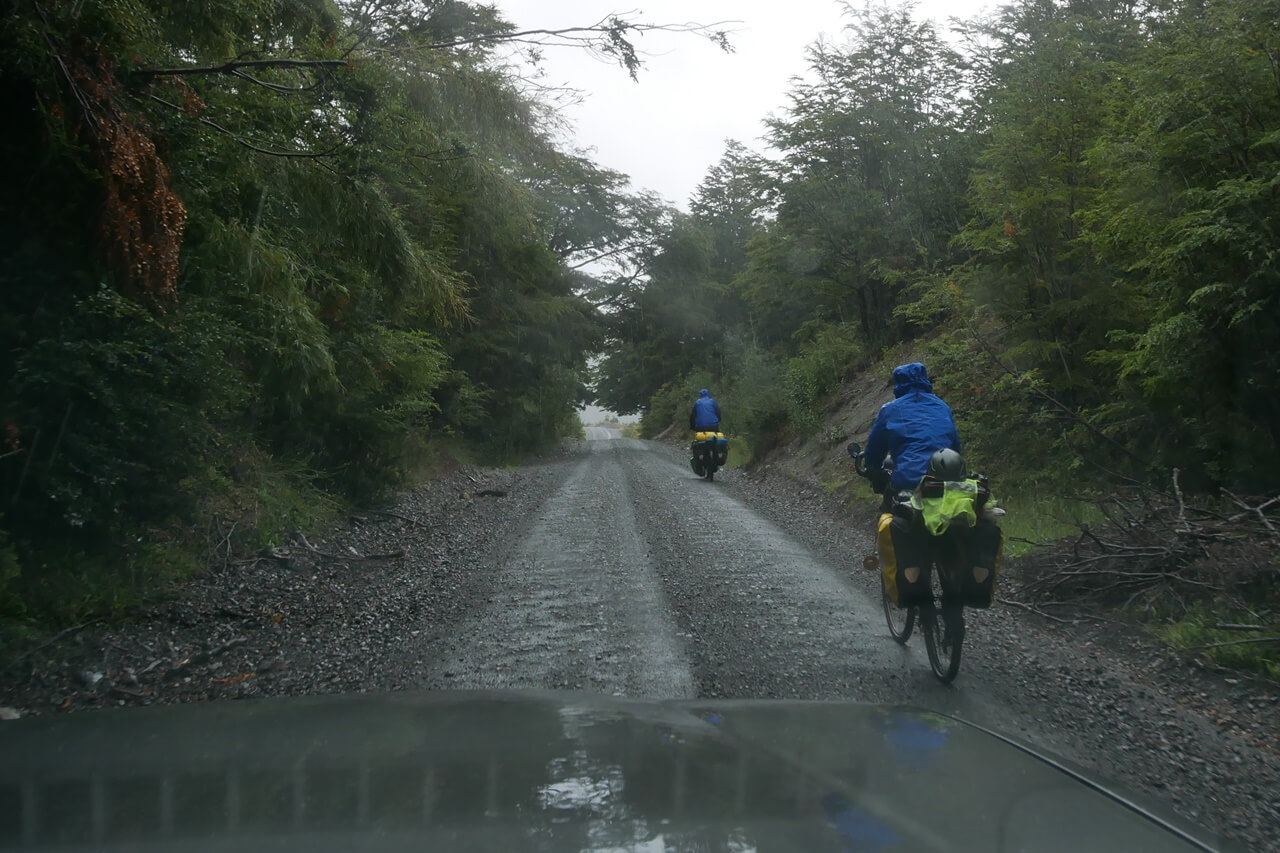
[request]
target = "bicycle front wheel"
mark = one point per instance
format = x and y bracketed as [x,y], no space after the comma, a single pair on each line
[943,632]
[900,619]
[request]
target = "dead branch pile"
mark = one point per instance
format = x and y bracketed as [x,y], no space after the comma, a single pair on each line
[1160,550]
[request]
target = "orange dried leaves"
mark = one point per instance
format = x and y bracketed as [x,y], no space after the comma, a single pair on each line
[143,220]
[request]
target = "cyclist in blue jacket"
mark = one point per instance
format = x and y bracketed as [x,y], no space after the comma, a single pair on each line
[910,429]
[705,416]
[918,430]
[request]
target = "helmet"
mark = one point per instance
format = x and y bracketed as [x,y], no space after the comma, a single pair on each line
[946,464]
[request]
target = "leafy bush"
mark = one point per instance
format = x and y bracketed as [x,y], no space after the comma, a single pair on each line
[110,414]
[672,403]
[757,403]
[822,365]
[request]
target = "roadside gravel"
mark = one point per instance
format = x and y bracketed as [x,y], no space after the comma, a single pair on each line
[303,623]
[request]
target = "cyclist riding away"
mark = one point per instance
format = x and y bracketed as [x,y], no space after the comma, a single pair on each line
[919,432]
[909,429]
[937,545]
[705,416]
[710,449]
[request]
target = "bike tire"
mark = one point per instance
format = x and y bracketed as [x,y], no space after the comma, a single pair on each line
[943,633]
[901,620]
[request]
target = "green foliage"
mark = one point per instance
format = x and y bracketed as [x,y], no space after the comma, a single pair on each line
[871,178]
[1196,633]
[822,365]
[753,401]
[10,574]
[756,402]
[110,413]
[672,403]
[242,296]
[1040,510]
[1190,217]
[1078,211]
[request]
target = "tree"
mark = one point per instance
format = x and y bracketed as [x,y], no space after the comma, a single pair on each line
[1188,219]
[276,249]
[871,183]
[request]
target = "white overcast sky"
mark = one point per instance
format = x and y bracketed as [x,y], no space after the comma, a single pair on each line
[666,130]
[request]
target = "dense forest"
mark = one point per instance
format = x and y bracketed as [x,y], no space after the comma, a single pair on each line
[1071,208]
[263,258]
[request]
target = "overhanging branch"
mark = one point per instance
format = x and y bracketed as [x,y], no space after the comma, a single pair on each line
[240,140]
[239,65]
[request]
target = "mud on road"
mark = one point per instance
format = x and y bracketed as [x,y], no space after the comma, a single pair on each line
[610,568]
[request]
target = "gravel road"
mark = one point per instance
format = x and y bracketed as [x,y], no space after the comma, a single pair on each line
[610,568]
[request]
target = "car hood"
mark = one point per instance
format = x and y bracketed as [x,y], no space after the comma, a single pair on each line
[481,771]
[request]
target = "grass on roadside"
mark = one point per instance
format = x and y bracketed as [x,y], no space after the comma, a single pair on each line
[1040,515]
[1203,631]
[740,452]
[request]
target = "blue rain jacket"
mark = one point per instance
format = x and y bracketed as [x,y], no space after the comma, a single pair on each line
[706,412]
[911,427]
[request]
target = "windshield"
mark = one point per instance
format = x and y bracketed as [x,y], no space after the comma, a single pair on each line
[374,349]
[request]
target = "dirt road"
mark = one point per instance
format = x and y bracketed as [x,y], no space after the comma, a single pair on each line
[635,577]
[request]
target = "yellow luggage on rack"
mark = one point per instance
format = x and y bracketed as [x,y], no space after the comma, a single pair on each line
[900,552]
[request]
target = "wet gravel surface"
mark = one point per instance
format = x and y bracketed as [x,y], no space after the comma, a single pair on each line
[608,567]
[317,620]
[1100,693]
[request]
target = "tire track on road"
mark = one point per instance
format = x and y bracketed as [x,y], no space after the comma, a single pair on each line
[765,617]
[577,604]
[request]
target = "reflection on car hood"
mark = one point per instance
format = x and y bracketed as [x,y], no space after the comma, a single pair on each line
[474,771]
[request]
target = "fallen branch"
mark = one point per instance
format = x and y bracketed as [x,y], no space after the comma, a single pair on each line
[1249,510]
[61,635]
[1256,510]
[203,657]
[1035,610]
[390,555]
[117,690]
[386,514]
[1026,541]
[354,555]
[1250,641]
[1231,626]
[155,663]
[1183,526]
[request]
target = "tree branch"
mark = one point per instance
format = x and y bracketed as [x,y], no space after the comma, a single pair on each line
[1249,642]
[275,87]
[604,27]
[304,155]
[238,65]
[599,257]
[1029,384]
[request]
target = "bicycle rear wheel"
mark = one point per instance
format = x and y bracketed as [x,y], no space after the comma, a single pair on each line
[901,620]
[943,629]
